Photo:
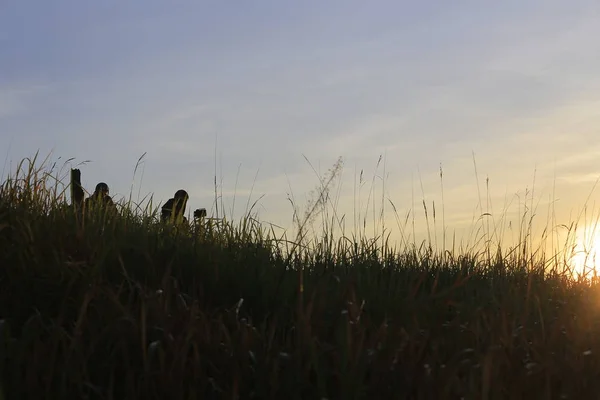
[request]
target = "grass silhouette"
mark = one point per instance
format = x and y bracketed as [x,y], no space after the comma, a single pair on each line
[99,306]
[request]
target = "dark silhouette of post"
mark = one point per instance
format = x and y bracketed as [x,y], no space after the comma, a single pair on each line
[77,193]
[174,208]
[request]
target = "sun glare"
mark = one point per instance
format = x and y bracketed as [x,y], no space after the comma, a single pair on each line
[585,258]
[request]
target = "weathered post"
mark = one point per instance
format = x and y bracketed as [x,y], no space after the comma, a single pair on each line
[77,193]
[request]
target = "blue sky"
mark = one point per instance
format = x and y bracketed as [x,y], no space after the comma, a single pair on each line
[262,83]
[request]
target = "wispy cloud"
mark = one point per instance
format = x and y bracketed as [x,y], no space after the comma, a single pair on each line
[18,99]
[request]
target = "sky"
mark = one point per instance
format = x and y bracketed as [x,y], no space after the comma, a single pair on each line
[504,97]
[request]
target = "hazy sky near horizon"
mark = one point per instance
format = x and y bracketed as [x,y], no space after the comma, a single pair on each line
[255,86]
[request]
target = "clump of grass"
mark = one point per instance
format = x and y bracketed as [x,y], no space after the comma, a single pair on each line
[105,307]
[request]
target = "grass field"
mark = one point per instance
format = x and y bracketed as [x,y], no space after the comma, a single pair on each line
[123,307]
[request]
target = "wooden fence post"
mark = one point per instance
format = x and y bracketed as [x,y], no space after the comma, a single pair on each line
[77,193]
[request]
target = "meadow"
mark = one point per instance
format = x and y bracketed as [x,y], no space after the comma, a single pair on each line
[103,306]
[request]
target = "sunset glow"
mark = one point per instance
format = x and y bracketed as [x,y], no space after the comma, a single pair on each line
[585,258]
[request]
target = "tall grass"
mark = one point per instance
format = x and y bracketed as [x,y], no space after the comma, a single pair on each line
[100,306]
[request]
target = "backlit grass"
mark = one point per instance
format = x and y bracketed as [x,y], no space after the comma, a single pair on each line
[98,306]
